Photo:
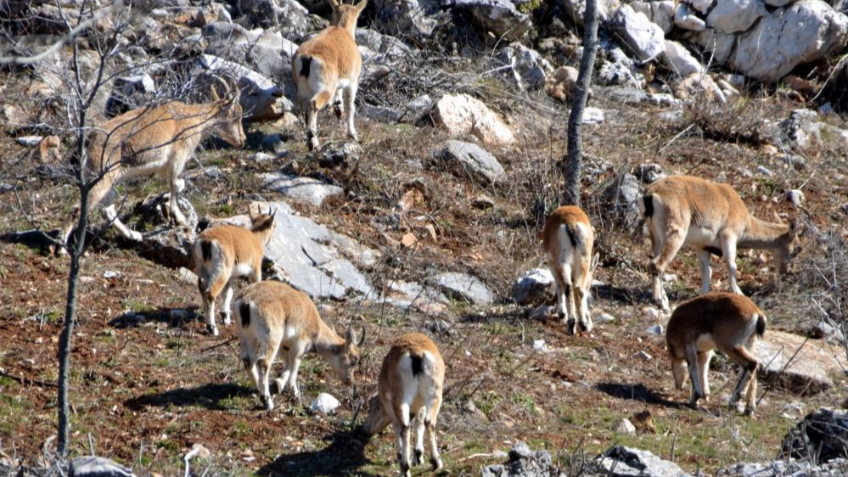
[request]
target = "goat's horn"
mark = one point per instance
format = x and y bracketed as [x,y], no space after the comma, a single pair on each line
[361,337]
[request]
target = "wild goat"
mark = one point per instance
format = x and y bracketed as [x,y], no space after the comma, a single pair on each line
[410,386]
[328,62]
[225,253]
[273,315]
[568,238]
[712,218]
[725,321]
[155,140]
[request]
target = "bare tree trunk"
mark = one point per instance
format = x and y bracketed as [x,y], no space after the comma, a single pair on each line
[573,162]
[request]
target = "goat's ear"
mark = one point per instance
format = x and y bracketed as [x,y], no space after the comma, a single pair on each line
[361,337]
[361,6]
[797,226]
[334,4]
[214,92]
[595,261]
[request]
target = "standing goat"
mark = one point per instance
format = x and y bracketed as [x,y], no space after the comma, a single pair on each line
[155,140]
[326,63]
[568,238]
[273,315]
[409,387]
[725,321]
[225,253]
[711,217]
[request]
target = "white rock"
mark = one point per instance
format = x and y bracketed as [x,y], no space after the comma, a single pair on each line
[625,427]
[636,31]
[685,19]
[575,9]
[603,318]
[702,6]
[733,16]
[764,171]
[303,189]
[651,312]
[532,286]
[593,115]
[656,330]
[199,451]
[718,45]
[805,32]
[530,69]
[324,404]
[795,197]
[461,114]
[678,59]
[660,13]
[111,274]
[30,141]
[644,356]
[539,345]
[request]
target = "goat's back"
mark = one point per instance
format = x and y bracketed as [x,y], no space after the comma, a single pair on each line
[728,318]
[336,50]
[244,245]
[700,199]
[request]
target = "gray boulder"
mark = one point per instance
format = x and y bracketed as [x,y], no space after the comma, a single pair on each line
[719,45]
[637,33]
[805,32]
[620,461]
[463,286]
[91,466]
[733,16]
[388,45]
[660,13]
[786,468]
[533,287]
[820,437]
[798,364]
[290,17]
[523,462]
[620,199]
[529,70]
[575,9]
[407,18]
[261,98]
[302,189]
[618,69]
[264,51]
[497,16]
[472,159]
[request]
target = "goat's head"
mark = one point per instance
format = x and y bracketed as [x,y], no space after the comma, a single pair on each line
[789,246]
[263,224]
[345,16]
[345,360]
[228,125]
[377,420]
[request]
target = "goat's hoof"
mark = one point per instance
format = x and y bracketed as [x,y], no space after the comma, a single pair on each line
[135,236]
[353,135]
[585,327]
[570,327]
[418,458]
[227,319]
[313,144]
[213,330]
[749,411]
[436,463]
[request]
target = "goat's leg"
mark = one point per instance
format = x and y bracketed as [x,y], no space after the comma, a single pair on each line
[692,361]
[749,364]
[674,239]
[728,249]
[296,356]
[350,109]
[562,290]
[430,418]
[703,370]
[177,185]
[418,452]
[228,298]
[706,271]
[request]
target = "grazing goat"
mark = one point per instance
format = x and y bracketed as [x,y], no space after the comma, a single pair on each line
[568,238]
[224,253]
[711,217]
[274,315]
[326,63]
[725,321]
[155,140]
[409,387]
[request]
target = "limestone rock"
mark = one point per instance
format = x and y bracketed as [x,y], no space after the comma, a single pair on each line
[523,462]
[261,99]
[91,466]
[733,16]
[464,286]
[660,13]
[678,59]
[620,461]
[529,69]
[809,371]
[461,114]
[805,32]
[413,18]
[643,38]
[303,189]
[685,19]
[472,159]
[497,16]
[324,404]
[532,287]
[575,9]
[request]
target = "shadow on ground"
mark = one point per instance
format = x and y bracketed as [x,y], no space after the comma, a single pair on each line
[344,455]
[208,396]
[636,392]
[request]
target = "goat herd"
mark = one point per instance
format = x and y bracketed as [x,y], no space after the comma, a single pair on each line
[273,317]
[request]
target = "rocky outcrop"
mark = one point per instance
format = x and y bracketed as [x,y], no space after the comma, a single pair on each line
[524,66]
[637,33]
[497,16]
[472,160]
[302,189]
[461,114]
[621,461]
[820,437]
[463,286]
[532,287]
[797,364]
[523,462]
[412,18]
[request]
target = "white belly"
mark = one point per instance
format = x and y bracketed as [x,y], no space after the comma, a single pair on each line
[242,270]
[705,342]
[701,236]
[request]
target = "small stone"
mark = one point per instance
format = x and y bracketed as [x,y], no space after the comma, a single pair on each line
[482,202]
[795,197]
[764,171]
[187,275]
[604,318]
[91,466]
[108,274]
[409,240]
[669,277]
[651,312]
[539,345]
[644,356]
[324,404]
[199,451]
[541,312]
[30,141]
[656,330]
[625,427]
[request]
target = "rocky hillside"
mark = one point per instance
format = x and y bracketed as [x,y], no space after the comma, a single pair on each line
[428,223]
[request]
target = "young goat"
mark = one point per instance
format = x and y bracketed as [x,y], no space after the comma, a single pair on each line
[711,217]
[568,238]
[410,386]
[725,321]
[274,315]
[225,253]
[155,140]
[328,62]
